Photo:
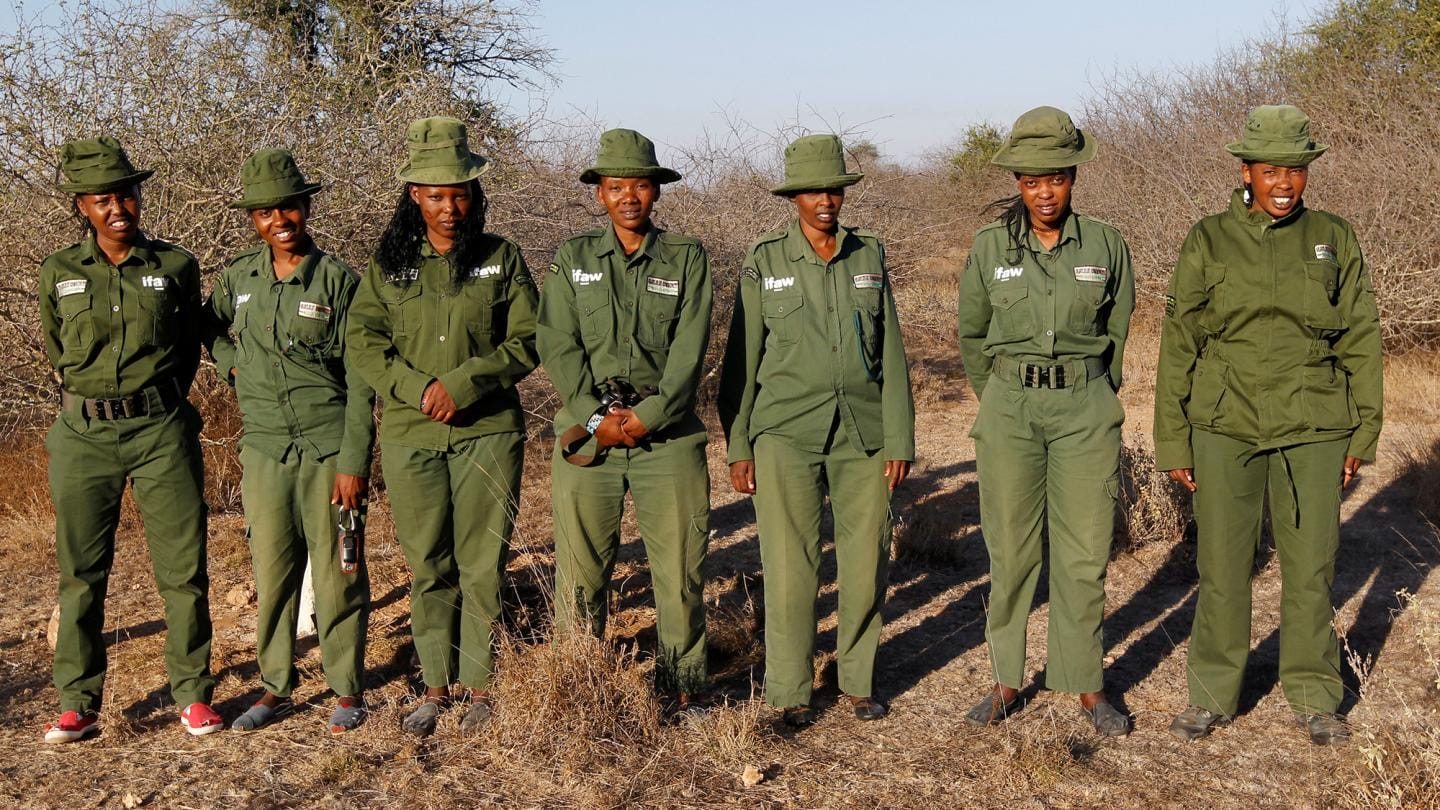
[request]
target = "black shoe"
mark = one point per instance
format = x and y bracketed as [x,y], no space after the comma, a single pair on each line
[799,716]
[1324,728]
[868,708]
[991,710]
[1195,722]
[1107,719]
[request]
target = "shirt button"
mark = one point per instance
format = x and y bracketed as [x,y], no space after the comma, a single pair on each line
[114,348]
[442,338]
[1050,332]
[834,348]
[269,329]
[276,364]
[115,309]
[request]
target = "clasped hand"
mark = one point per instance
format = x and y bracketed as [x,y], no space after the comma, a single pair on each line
[620,427]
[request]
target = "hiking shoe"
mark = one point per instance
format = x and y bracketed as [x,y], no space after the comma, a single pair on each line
[868,708]
[348,715]
[199,719]
[1324,728]
[1195,722]
[259,715]
[798,716]
[991,710]
[481,707]
[1107,719]
[421,722]
[72,726]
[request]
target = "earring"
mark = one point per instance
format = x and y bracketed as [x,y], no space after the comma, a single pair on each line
[1249,197]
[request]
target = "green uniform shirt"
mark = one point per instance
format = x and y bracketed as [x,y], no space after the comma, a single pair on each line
[1041,306]
[1271,336]
[810,340]
[478,341]
[113,331]
[292,374]
[644,318]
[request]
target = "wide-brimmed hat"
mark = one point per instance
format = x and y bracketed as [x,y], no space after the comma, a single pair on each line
[440,154]
[269,177]
[1044,141]
[98,165]
[1278,134]
[627,153]
[815,163]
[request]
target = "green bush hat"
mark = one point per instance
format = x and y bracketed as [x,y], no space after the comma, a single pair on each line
[1044,141]
[627,153]
[269,177]
[815,163]
[1278,134]
[98,165]
[440,154]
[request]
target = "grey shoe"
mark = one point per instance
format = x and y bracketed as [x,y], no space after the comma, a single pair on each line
[421,722]
[1324,728]
[476,716]
[1195,722]
[1107,719]
[346,718]
[991,710]
[260,715]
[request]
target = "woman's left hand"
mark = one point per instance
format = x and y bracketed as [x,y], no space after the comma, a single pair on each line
[1352,469]
[437,403]
[896,472]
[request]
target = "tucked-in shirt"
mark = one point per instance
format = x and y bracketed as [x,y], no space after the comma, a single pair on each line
[1271,336]
[113,331]
[644,318]
[813,342]
[286,341]
[1034,305]
[477,339]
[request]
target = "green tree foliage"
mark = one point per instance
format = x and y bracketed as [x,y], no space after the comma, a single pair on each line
[1390,36]
[978,143]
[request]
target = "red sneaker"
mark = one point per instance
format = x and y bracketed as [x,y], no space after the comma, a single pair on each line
[199,718]
[72,726]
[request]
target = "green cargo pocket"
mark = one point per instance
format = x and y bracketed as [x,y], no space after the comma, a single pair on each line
[781,320]
[1326,396]
[1322,292]
[1207,389]
[657,315]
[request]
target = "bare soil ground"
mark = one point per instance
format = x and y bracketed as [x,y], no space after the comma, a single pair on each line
[575,725]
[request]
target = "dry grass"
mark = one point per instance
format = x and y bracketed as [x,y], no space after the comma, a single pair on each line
[1152,507]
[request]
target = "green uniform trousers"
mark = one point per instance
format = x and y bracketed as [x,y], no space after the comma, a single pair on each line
[1048,457]
[89,462]
[790,489]
[670,484]
[290,520]
[454,512]
[1231,482]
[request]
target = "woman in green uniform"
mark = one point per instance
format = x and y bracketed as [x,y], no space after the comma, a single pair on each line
[815,400]
[309,430]
[1045,303]
[120,313]
[1269,381]
[443,327]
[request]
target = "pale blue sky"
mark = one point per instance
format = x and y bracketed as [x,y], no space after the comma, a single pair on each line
[911,73]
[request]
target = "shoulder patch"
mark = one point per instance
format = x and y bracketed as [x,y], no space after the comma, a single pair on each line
[1169,306]
[750,273]
[555,268]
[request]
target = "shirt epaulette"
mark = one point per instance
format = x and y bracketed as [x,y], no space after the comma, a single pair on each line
[677,239]
[771,236]
[244,255]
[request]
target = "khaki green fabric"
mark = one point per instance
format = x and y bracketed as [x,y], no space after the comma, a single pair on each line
[90,461]
[815,163]
[809,339]
[1048,460]
[440,154]
[113,331]
[1068,303]
[98,165]
[1271,336]
[1278,135]
[644,318]
[1232,479]
[298,389]
[791,486]
[627,153]
[1043,141]
[670,485]
[479,341]
[290,520]
[454,513]
[270,177]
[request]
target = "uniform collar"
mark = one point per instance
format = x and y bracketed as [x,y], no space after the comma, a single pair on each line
[610,243]
[1069,232]
[142,252]
[798,248]
[264,265]
[1242,212]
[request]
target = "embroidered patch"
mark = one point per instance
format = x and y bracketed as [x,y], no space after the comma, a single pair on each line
[71,286]
[155,282]
[749,272]
[413,274]
[485,272]
[1091,273]
[780,283]
[1002,273]
[314,311]
[868,281]
[241,298]
[1169,306]
[663,286]
[555,268]
[1325,253]
[583,278]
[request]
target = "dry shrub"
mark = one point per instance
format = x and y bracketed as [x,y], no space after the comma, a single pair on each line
[731,736]
[925,535]
[1152,507]
[732,628]
[1419,453]
[1042,756]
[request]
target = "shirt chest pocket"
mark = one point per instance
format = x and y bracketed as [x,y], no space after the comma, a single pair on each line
[1010,317]
[404,306]
[657,315]
[77,325]
[1321,294]
[156,319]
[596,311]
[475,307]
[1089,301]
[1213,319]
[312,327]
[783,319]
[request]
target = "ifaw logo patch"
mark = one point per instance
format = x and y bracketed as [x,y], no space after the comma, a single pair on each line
[155,282]
[779,283]
[485,272]
[1003,273]
[583,278]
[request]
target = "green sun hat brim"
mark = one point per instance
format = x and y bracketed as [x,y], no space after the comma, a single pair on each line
[659,174]
[452,175]
[251,203]
[826,183]
[97,166]
[108,185]
[626,153]
[815,163]
[1044,141]
[1278,134]
[440,154]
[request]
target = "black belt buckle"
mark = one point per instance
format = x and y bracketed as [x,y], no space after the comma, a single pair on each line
[1033,376]
[107,410]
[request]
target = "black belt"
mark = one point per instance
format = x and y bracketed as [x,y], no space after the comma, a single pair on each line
[1059,375]
[156,399]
